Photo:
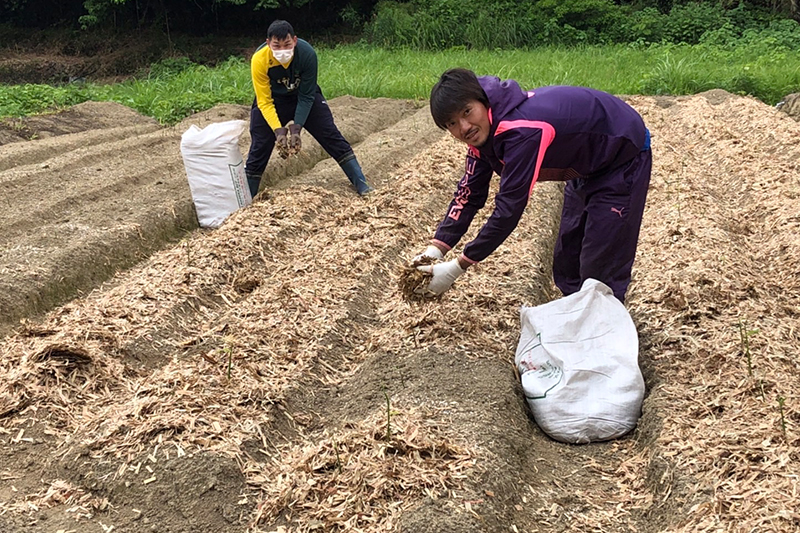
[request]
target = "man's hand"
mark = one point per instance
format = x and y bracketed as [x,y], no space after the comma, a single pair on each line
[431,251]
[281,142]
[444,274]
[294,138]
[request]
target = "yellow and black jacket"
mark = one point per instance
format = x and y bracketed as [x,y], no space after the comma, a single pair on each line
[272,81]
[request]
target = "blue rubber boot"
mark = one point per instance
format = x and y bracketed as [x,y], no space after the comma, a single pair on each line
[353,171]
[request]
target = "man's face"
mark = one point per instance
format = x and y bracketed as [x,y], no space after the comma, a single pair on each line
[287,43]
[471,124]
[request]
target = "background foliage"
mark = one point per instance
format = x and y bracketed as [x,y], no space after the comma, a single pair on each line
[196,17]
[432,24]
[441,24]
[174,59]
[176,88]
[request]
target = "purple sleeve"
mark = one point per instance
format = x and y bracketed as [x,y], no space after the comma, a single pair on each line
[523,148]
[469,198]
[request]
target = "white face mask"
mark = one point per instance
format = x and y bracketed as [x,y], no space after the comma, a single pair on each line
[283,56]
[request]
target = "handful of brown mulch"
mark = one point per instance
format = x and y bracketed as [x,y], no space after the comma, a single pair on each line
[285,151]
[413,284]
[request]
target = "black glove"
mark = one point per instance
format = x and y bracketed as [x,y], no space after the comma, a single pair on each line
[294,138]
[281,142]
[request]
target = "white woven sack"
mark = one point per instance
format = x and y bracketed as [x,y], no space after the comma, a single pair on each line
[215,169]
[578,359]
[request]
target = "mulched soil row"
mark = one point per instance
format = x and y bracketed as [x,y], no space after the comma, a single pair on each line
[299,330]
[269,375]
[83,205]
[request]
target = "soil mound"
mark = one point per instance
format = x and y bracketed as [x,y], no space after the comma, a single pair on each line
[82,117]
[218,113]
[716,96]
[791,105]
[42,68]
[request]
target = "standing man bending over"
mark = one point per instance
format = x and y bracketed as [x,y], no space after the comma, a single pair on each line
[592,140]
[284,73]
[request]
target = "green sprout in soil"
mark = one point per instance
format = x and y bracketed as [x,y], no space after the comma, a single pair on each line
[336,451]
[781,402]
[744,336]
[228,350]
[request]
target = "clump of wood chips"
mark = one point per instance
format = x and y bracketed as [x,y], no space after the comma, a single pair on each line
[413,283]
[354,480]
[286,151]
[283,150]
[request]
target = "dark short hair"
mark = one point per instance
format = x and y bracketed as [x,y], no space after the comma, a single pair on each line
[454,90]
[280,29]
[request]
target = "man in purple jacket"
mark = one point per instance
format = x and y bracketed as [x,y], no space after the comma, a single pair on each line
[592,140]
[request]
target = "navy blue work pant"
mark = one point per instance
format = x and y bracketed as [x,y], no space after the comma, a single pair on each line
[319,124]
[600,225]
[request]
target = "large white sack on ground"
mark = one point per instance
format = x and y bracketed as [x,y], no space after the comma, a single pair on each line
[215,169]
[578,359]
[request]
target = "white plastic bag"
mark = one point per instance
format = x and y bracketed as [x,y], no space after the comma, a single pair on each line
[215,169]
[578,359]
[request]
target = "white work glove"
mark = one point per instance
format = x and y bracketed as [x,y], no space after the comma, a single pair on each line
[444,274]
[431,251]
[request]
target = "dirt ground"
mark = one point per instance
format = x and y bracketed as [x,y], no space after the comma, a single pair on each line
[268,376]
[101,187]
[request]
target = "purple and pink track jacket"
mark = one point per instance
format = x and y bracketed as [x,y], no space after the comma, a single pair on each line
[553,133]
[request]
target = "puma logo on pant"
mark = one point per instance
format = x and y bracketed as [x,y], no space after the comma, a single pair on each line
[617,211]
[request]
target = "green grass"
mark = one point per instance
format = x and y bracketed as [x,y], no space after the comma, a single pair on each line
[665,69]
[766,72]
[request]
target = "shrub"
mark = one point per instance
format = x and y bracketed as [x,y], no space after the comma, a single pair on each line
[503,24]
[169,67]
[392,25]
[443,24]
[677,76]
[726,35]
[782,33]
[688,23]
[646,26]
[21,100]
[596,15]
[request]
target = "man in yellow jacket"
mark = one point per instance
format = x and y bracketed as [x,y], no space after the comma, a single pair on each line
[284,73]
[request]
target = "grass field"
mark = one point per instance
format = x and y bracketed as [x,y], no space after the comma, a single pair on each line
[177,88]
